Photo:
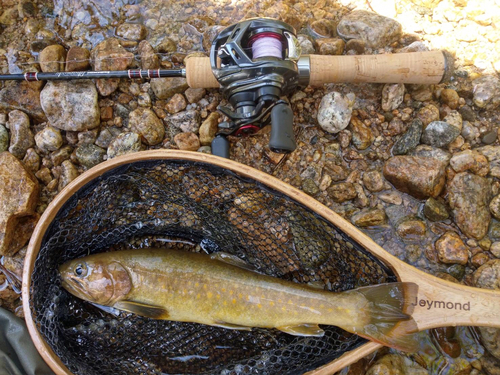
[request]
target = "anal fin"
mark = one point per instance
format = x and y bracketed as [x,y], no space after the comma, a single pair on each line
[303,330]
[231,326]
[149,311]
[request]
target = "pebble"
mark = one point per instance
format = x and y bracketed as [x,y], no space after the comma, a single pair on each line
[470,160]
[310,187]
[4,139]
[19,191]
[334,171]
[439,134]
[495,207]
[306,45]
[194,95]
[68,174]
[396,364]
[342,191]
[418,176]
[435,210]
[451,249]
[373,181]
[357,46]
[486,92]
[375,30]
[187,121]
[450,98]
[106,136]
[64,153]
[422,94]
[71,105]
[410,139]
[468,197]
[335,110]
[392,96]
[21,137]
[425,151]
[188,141]
[149,59]
[469,131]
[52,58]
[44,175]
[31,160]
[124,143]
[144,122]
[24,96]
[209,35]
[467,113]
[49,139]
[131,31]
[369,218]
[362,136]
[209,128]
[165,88]
[489,137]
[495,249]
[411,229]
[77,59]
[428,114]
[89,155]
[176,104]
[330,46]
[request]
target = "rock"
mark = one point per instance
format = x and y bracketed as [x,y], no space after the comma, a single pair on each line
[64,153]
[89,155]
[439,134]
[373,181]
[489,137]
[209,35]
[488,277]
[451,249]
[411,229]
[77,59]
[495,249]
[362,136]
[330,46]
[176,104]
[124,143]
[110,55]
[87,137]
[495,207]
[49,139]
[454,119]
[68,174]
[165,88]
[418,176]
[4,139]
[392,96]
[44,175]
[31,160]
[467,113]
[486,91]
[71,105]
[410,139]
[422,94]
[306,44]
[469,131]
[187,121]
[343,191]
[428,114]
[144,100]
[145,122]
[417,46]
[194,95]
[208,129]
[435,210]
[450,98]
[19,191]
[425,151]
[21,137]
[335,110]
[23,96]
[355,45]
[52,58]
[489,364]
[187,141]
[131,31]
[149,59]
[470,160]
[369,218]
[396,364]
[106,136]
[322,28]
[468,197]
[375,30]
[310,187]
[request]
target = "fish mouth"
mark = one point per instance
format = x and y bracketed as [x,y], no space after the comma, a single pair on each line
[75,287]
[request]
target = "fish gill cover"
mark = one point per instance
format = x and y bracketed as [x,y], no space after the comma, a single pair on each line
[195,207]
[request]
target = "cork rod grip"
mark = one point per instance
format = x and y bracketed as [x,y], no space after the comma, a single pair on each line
[199,73]
[415,67]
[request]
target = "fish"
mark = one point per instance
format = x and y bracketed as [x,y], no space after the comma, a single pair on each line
[224,291]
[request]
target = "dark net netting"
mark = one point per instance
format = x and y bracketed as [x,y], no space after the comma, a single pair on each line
[196,207]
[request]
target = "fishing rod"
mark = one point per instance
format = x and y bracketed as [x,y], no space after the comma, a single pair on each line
[258,61]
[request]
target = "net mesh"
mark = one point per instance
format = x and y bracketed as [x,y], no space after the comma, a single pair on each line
[196,207]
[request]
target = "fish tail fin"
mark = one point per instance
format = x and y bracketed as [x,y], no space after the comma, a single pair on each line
[389,315]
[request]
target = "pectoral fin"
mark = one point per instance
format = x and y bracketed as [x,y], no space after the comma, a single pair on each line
[149,311]
[231,326]
[303,330]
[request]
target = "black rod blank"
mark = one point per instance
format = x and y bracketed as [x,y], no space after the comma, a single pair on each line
[60,76]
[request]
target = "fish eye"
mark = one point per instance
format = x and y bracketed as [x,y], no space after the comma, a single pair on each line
[80,270]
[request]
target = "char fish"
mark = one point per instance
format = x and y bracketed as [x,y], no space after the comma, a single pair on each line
[220,290]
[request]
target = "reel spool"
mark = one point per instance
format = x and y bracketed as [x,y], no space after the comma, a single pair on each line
[255,62]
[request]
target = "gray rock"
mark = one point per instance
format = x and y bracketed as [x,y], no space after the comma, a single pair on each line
[439,134]
[124,143]
[377,31]
[468,197]
[373,181]
[21,137]
[425,151]
[310,187]
[186,121]
[165,88]
[49,139]
[469,131]
[454,119]
[4,139]
[71,105]
[131,31]
[392,96]
[495,207]
[106,136]
[194,95]
[90,155]
[145,122]
[467,113]
[435,210]
[489,137]
[417,46]
[335,110]
[306,44]
[486,91]
[410,139]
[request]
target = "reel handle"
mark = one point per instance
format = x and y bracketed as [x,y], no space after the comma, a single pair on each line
[429,67]
[282,139]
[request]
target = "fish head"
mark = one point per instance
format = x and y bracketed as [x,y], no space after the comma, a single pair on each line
[95,280]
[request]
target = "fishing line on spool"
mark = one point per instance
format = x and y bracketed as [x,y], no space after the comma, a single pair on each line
[267,44]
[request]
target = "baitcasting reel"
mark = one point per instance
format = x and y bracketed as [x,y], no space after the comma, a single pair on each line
[255,62]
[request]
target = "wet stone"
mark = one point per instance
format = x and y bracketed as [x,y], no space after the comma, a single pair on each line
[77,59]
[68,174]
[428,114]
[31,160]
[187,141]
[470,160]
[373,181]
[330,46]
[52,58]
[187,121]
[106,136]
[468,197]
[368,218]
[89,155]
[64,153]
[486,91]
[392,96]
[342,192]
[49,139]
[71,105]
[334,171]
[489,137]
[19,191]
[375,30]
[124,143]
[425,151]
[149,59]
[494,230]
[24,96]
[208,128]
[451,249]
[145,122]
[362,136]
[409,140]
[439,134]
[4,139]
[411,229]
[194,95]
[131,31]
[144,100]
[435,210]
[21,137]
[467,113]
[450,98]
[176,104]
[165,88]
[310,187]
[335,110]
